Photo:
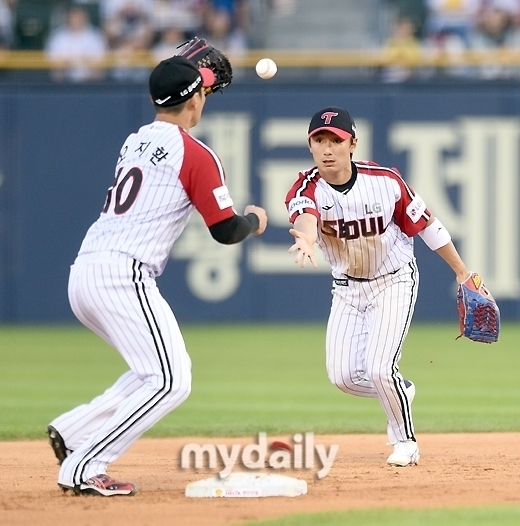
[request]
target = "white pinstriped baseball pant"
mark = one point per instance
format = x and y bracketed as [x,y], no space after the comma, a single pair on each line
[117,298]
[366,329]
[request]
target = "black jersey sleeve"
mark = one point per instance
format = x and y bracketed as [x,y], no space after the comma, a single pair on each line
[234,229]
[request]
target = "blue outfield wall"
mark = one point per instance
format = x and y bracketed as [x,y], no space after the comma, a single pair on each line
[457,145]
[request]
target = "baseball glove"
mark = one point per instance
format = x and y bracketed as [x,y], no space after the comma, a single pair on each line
[479,317]
[204,55]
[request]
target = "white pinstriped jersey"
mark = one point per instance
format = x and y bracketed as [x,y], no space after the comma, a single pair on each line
[365,231]
[162,175]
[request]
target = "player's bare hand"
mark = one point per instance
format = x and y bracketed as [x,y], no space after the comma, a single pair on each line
[304,247]
[262,217]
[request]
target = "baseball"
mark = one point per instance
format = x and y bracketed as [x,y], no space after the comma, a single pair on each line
[266,68]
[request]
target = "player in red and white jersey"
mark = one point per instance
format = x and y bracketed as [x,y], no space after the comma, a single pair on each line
[363,217]
[365,228]
[162,175]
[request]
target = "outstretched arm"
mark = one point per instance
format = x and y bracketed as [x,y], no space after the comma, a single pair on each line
[479,316]
[305,232]
[451,256]
[438,239]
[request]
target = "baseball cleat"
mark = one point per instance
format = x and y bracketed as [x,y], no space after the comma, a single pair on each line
[405,454]
[104,486]
[58,445]
[65,487]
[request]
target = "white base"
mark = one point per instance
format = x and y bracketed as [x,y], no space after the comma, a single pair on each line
[247,485]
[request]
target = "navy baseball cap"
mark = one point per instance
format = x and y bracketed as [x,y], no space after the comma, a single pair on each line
[176,79]
[335,120]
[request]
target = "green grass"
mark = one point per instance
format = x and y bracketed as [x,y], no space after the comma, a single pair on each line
[251,378]
[488,516]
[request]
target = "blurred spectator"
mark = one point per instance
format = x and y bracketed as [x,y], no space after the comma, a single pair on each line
[129,30]
[452,19]
[226,25]
[6,24]
[495,29]
[488,9]
[33,22]
[515,12]
[76,48]
[167,45]
[184,15]
[416,11]
[448,29]
[492,29]
[94,10]
[402,47]
[111,8]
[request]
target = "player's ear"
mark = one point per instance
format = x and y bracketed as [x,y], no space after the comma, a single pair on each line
[353,144]
[197,98]
[190,103]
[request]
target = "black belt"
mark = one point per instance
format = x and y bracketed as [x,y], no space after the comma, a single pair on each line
[344,281]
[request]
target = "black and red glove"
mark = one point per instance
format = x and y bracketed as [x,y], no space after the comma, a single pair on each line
[204,55]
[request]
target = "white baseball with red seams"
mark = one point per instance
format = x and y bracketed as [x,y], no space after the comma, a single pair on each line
[266,68]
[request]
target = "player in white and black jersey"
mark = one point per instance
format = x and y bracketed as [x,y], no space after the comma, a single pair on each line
[162,175]
[363,217]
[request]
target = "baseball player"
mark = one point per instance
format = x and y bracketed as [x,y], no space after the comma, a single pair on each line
[162,175]
[363,217]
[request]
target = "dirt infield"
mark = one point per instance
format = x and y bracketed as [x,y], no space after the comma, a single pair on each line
[455,469]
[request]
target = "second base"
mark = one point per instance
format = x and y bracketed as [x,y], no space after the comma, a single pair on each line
[247,485]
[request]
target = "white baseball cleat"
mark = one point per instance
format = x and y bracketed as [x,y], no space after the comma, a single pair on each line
[405,454]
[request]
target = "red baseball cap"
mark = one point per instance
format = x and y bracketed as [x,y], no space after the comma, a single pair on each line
[333,119]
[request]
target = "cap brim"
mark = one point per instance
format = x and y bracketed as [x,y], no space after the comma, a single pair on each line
[340,133]
[208,77]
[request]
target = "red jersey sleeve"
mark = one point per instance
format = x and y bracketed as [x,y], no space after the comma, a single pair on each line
[203,178]
[411,214]
[301,198]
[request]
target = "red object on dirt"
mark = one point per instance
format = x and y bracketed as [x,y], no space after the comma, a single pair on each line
[278,444]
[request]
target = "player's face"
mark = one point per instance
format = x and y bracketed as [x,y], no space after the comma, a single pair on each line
[332,156]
